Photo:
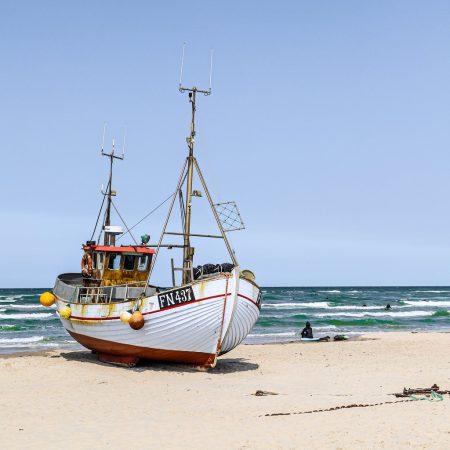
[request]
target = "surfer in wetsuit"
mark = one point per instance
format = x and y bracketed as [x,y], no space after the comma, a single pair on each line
[388,306]
[307,331]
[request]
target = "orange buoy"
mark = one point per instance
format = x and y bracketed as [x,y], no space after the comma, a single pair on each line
[136,320]
[86,266]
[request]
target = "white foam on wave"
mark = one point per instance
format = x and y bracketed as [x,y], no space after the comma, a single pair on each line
[13,298]
[425,303]
[285,334]
[326,328]
[319,305]
[14,341]
[378,314]
[435,292]
[14,306]
[296,305]
[364,308]
[25,316]
[332,291]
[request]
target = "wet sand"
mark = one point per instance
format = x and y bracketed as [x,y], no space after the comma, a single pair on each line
[67,399]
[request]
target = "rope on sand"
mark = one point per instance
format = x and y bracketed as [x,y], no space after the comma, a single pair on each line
[434,398]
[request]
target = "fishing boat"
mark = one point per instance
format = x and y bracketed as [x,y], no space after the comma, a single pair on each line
[113,307]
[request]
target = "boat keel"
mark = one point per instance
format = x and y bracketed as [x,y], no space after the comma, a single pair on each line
[118,360]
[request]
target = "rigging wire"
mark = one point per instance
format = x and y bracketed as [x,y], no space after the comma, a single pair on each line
[147,215]
[151,212]
[182,209]
[99,213]
[123,221]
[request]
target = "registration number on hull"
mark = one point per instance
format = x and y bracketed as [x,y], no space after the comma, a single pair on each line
[176,297]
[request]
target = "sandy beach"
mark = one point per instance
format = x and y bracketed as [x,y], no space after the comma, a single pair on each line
[67,399]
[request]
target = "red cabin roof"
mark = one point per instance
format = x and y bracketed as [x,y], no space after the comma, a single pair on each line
[122,249]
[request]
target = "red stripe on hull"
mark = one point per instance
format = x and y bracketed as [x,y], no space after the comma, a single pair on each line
[249,299]
[155,354]
[150,312]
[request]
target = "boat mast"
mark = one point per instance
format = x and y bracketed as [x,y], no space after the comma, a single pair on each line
[188,251]
[110,238]
[187,173]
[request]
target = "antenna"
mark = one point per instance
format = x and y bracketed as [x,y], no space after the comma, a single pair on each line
[123,143]
[210,68]
[183,89]
[103,139]
[182,64]
[112,155]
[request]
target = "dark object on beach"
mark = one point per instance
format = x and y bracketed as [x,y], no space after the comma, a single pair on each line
[324,339]
[388,306]
[340,337]
[259,393]
[307,331]
[424,391]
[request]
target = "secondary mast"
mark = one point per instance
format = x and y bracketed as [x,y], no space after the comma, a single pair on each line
[110,238]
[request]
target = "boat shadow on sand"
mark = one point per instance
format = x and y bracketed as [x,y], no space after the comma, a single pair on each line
[224,365]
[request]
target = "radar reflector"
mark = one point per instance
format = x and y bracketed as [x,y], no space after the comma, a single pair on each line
[229,216]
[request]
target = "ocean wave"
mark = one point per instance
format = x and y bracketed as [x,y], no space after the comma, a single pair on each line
[435,292]
[319,305]
[364,308]
[14,306]
[8,326]
[285,334]
[25,316]
[332,291]
[296,305]
[395,314]
[13,298]
[14,341]
[441,314]
[426,303]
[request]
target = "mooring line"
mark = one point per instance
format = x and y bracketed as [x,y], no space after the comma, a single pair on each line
[354,405]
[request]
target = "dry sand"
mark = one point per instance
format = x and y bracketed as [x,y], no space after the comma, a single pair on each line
[65,400]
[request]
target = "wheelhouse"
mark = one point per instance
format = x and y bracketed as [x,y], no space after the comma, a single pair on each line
[113,265]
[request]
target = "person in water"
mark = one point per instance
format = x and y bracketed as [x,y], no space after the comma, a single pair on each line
[388,306]
[307,331]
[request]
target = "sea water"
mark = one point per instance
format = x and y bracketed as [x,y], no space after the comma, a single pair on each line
[25,325]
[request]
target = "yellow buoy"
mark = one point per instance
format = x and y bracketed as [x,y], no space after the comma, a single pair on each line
[136,320]
[47,299]
[125,316]
[65,312]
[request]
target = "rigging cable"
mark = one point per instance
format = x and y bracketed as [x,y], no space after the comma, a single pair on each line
[98,217]
[147,215]
[151,212]
[123,221]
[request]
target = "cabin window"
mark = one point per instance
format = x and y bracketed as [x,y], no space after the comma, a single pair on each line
[100,260]
[143,263]
[114,261]
[128,263]
[97,260]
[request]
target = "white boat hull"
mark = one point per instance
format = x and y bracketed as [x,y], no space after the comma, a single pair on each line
[210,320]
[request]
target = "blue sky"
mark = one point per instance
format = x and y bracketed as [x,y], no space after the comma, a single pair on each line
[328,125]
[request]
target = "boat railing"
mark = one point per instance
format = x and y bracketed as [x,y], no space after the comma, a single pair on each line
[74,293]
